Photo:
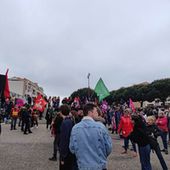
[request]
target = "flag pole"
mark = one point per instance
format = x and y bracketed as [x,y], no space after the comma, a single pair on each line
[88,78]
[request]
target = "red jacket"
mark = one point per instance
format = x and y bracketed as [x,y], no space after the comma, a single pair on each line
[125,125]
[162,123]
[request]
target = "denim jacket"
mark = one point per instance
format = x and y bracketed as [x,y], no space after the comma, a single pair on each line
[91,144]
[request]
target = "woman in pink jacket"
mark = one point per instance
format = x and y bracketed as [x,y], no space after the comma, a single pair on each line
[162,123]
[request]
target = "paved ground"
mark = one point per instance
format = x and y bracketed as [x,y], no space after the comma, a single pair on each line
[31,152]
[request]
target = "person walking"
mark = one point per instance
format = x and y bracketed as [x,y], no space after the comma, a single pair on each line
[162,123]
[126,127]
[90,141]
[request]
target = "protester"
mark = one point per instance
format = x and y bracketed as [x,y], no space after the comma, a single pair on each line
[49,116]
[153,131]
[100,116]
[125,128]
[55,131]
[140,137]
[34,118]
[14,117]
[67,159]
[90,141]
[113,123]
[117,117]
[162,123]
[168,117]
[26,116]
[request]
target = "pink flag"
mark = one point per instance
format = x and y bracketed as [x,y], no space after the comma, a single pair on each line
[20,102]
[131,105]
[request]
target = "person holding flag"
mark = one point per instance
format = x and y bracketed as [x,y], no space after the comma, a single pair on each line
[40,105]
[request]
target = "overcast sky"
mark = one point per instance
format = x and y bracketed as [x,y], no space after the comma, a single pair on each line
[57,43]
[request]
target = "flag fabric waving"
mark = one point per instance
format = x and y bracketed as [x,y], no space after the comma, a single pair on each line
[40,103]
[101,90]
[20,102]
[6,90]
[4,86]
[131,105]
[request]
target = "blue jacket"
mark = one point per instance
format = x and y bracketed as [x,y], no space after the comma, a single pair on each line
[91,144]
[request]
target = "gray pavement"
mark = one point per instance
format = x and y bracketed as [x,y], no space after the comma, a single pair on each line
[31,152]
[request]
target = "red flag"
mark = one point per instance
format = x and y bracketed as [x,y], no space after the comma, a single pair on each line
[131,105]
[6,90]
[40,103]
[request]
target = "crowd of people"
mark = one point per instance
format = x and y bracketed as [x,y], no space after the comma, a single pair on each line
[142,127]
[81,130]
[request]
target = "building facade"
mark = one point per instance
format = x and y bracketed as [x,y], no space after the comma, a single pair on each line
[22,87]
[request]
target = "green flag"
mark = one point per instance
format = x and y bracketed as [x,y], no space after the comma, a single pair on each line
[101,90]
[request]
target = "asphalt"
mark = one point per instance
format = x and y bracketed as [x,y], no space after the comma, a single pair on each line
[31,152]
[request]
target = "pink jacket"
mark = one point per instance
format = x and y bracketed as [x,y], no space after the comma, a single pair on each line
[162,123]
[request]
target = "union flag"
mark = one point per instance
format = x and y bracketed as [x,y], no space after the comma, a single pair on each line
[40,103]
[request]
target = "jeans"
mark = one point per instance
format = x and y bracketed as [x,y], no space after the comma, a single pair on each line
[164,139]
[160,157]
[126,143]
[55,146]
[13,122]
[144,153]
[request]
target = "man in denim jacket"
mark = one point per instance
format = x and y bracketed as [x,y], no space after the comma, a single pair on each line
[90,141]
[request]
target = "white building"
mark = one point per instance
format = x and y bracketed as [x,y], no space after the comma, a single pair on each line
[22,87]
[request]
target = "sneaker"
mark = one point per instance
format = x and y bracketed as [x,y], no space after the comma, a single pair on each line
[162,150]
[53,159]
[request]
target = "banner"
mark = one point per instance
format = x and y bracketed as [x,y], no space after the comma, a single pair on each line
[101,90]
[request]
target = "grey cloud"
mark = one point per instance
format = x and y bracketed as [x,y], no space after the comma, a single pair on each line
[56,43]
